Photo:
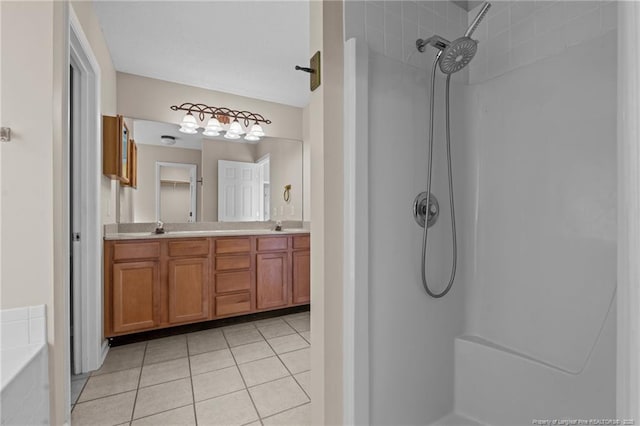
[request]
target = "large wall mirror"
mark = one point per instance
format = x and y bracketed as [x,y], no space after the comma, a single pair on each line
[194,178]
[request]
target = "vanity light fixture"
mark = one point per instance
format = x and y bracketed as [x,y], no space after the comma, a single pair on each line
[218,116]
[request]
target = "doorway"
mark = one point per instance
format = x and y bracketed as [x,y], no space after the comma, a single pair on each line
[81,191]
[176,192]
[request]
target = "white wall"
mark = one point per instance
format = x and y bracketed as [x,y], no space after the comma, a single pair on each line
[411,335]
[520,33]
[392,27]
[546,214]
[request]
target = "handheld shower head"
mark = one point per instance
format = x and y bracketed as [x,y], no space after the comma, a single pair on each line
[479,17]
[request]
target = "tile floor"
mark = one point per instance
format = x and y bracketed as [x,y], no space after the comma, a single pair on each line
[247,374]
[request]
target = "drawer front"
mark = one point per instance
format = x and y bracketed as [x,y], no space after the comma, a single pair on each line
[233,245]
[131,251]
[189,248]
[272,243]
[302,242]
[228,263]
[233,304]
[233,281]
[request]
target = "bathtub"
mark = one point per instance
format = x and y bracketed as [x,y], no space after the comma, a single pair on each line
[24,375]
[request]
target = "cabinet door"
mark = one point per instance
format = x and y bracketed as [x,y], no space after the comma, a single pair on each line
[188,290]
[301,277]
[136,289]
[271,282]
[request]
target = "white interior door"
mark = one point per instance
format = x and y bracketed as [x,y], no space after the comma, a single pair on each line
[239,195]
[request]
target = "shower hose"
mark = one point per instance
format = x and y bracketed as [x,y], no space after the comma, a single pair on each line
[429,169]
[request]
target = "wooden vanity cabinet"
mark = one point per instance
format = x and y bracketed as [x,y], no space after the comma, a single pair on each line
[132,275]
[188,280]
[158,283]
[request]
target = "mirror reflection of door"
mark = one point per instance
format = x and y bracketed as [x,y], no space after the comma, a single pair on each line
[243,189]
[176,192]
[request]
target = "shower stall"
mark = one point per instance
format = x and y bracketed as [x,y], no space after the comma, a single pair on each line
[526,332]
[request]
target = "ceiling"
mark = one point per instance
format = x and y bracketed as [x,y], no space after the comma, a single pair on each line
[247,48]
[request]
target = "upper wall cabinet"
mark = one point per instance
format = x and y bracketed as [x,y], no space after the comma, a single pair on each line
[132,163]
[116,141]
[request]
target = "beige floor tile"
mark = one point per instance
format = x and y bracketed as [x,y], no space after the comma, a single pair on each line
[205,341]
[280,395]
[111,410]
[297,361]
[165,371]
[232,409]
[299,416]
[304,380]
[256,423]
[183,416]
[239,327]
[159,398]
[269,321]
[110,384]
[300,324]
[272,330]
[76,389]
[243,337]
[122,358]
[261,371]
[252,352]
[166,349]
[306,335]
[216,383]
[210,361]
[287,343]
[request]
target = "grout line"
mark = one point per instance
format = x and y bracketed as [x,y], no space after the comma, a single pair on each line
[284,411]
[242,377]
[135,400]
[193,393]
[287,368]
[163,411]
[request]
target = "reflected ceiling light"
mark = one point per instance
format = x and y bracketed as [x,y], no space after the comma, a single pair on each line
[189,124]
[168,140]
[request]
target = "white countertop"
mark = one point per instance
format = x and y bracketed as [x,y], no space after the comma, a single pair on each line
[207,233]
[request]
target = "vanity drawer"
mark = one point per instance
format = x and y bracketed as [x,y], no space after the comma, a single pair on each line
[189,248]
[302,242]
[131,251]
[233,304]
[272,243]
[228,263]
[233,245]
[233,281]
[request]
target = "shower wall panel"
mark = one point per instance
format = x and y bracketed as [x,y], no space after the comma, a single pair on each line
[411,335]
[546,215]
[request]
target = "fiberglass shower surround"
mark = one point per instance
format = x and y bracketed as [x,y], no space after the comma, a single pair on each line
[527,331]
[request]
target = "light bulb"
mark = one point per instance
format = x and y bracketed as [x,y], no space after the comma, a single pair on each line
[189,122]
[188,130]
[213,125]
[256,130]
[230,135]
[235,128]
[251,137]
[209,132]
